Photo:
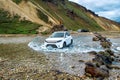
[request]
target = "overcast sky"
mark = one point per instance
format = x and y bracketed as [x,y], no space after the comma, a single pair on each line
[106,8]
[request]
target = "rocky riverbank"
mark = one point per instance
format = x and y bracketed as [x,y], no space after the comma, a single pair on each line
[20,62]
[101,66]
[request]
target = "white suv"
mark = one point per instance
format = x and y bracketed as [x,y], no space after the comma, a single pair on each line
[59,39]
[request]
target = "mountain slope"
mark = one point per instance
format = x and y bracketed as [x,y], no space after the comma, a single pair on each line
[101,21]
[50,13]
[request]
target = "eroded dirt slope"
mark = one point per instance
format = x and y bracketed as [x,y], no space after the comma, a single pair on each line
[28,10]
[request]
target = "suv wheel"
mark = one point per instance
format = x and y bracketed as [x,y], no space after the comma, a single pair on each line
[71,42]
[64,44]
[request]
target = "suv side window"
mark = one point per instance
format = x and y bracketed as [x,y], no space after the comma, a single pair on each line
[67,34]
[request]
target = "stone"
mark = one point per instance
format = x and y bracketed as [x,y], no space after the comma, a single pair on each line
[115,66]
[109,51]
[81,61]
[104,57]
[95,39]
[98,59]
[72,67]
[92,52]
[105,44]
[96,71]
[99,36]
[60,27]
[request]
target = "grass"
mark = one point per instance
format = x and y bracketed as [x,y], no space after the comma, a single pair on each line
[20,52]
[18,28]
[82,21]
[84,18]
[12,24]
[42,16]
[17,1]
[19,59]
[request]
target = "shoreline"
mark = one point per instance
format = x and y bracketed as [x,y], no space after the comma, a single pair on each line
[16,52]
[106,33]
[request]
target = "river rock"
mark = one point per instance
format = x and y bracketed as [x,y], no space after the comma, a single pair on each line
[92,52]
[95,39]
[96,71]
[115,66]
[109,51]
[98,60]
[105,44]
[99,36]
[60,27]
[103,58]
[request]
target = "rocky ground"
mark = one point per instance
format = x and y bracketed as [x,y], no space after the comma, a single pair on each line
[19,62]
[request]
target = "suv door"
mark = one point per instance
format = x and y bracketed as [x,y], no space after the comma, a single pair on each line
[68,38]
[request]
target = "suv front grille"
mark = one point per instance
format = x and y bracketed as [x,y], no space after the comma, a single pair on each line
[52,45]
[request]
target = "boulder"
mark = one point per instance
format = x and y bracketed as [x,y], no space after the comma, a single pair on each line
[106,58]
[99,36]
[106,44]
[58,28]
[92,52]
[95,39]
[100,65]
[109,51]
[98,60]
[96,71]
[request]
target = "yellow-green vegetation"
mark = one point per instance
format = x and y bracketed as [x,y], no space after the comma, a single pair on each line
[42,16]
[77,20]
[84,20]
[20,52]
[67,13]
[13,25]
[17,61]
[17,1]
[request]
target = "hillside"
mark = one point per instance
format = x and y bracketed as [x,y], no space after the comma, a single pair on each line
[33,16]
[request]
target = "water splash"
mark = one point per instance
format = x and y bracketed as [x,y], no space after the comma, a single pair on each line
[81,44]
[64,61]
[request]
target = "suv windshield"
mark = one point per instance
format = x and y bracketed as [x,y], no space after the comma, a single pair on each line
[56,35]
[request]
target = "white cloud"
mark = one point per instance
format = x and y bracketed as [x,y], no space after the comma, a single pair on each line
[109,9]
[110,13]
